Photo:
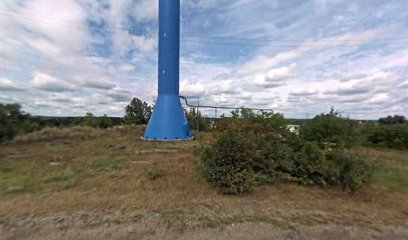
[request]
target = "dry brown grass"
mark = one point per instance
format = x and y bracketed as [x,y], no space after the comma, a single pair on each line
[116,171]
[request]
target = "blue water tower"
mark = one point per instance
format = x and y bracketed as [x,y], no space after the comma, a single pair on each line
[168,121]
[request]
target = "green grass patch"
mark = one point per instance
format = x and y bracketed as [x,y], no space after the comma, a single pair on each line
[108,166]
[6,167]
[19,184]
[391,178]
[112,174]
[60,176]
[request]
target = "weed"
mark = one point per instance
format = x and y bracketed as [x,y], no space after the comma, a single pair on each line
[112,174]
[6,167]
[391,178]
[60,176]
[16,189]
[20,184]
[154,175]
[52,134]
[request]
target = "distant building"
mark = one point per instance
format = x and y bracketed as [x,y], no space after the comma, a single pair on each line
[293,128]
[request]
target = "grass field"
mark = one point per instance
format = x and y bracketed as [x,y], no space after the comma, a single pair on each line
[59,182]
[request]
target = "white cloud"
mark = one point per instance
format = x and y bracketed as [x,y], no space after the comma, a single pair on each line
[303,92]
[280,74]
[262,63]
[61,21]
[107,52]
[146,10]
[403,85]
[8,85]
[224,87]
[50,83]
[119,94]
[126,68]
[99,84]
[191,89]
[260,82]
[144,44]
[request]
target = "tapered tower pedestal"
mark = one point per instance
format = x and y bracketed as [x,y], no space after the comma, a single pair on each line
[168,122]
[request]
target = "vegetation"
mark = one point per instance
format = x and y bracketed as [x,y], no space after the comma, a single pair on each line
[42,179]
[388,136]
[48,134]
[13,121]
[97,122]
[196,119]
[331,128]
[137,112]
[247,149]
[251,149]
[396,119]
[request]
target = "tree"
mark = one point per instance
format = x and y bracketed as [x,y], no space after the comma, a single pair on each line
[196,119]
[330,128]
[105,122]
[392,120]
[97,122]
[89,120]
[137,112]
[13,121]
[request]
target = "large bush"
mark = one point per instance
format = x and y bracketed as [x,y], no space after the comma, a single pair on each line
[389,136]
[97,122]
[331,128]
[197,120]
[250,149]
[396,119]
[14,121]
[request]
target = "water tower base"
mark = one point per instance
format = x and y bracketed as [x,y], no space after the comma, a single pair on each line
[168,121]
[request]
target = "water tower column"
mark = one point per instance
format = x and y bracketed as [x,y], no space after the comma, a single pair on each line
[168,121]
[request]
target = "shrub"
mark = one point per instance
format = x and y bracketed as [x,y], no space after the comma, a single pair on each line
[14,121]
[249,149]
[53,134]
[389,136]
[396,119]
[354,172]
[154,175]
[227,164]
[196,119]
[97,122]
[331,128]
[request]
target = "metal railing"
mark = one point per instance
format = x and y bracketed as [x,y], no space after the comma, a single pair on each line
[198,106]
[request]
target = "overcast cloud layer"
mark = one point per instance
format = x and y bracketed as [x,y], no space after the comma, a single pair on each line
[299,57]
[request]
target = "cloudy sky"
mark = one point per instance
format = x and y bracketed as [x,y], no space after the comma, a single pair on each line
[299,57]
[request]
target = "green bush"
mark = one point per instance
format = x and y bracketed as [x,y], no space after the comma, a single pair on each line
[249,149]
[331,128]
[396,119]
[97,122]
[389,136]
[196,119]
[227,163]
[14,121]
[354,172]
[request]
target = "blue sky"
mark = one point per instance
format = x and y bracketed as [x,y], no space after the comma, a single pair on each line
[299,57]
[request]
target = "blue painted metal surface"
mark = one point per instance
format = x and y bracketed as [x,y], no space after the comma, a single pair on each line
[168,121]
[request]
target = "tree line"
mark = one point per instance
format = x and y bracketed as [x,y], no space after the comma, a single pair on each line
[390,131]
